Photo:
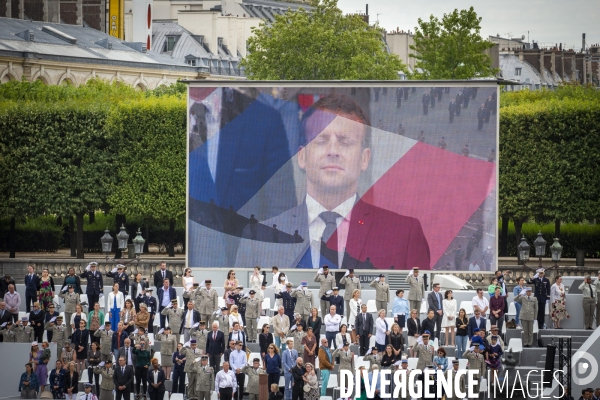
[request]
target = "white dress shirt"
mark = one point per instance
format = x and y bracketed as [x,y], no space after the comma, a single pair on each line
[332,323]
[481,303]
[316,227]
[225,379]
[155,374]
[237,359]
[166,299]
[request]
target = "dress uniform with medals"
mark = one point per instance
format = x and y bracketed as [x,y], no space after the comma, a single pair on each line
[105,334]
[59,332]
[209,301]
[95,285]
[462,383]
[382,293]
[191,368]
[168,346]
[107,384]
[23,332]
[152,304]
[287,301]
[8,333]
[327,282]
[334,299]
[297,334]
[373,357]
[542,294]
[351,283]
[476,360]
[425,352]
[253,372]
[175,315]
[120,277]
[304,300]
[71,300]
[200,334]
[253,305]
[416,291]
[529,312]
[205,381]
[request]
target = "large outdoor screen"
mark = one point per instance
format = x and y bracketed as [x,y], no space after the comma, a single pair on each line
[386,176]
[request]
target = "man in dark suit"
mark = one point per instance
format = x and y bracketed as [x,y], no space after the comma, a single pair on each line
[165,294]
[364,328]
[127,352]
[434,302]
[336,141]
[123,379]
[239,155]
[190,317]
[156,381]
[5,316]
[542,294]
[215,346]
[32,285]
[95,286]
[162,274]
[475,322]
[120,277]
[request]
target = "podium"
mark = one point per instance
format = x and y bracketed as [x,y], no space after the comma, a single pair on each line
[263,387]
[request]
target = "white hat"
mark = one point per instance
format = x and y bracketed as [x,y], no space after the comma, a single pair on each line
[34,343]
[540,270]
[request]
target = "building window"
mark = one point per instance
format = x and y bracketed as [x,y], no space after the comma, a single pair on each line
[191,62]
[169,43]
[518,71]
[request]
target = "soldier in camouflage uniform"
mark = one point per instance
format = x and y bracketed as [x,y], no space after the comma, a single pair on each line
[424,352]
[105,334]
[374,358]
[139,336]
[253,305]
[298,334]
[71,300]
[200,335]
[205,380]
[8,332]
[59,333]
[223,320]
[107,385]
[252,372]
[175,315]
[207,301]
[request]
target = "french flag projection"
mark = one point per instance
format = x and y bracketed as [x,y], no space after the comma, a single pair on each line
[359,192]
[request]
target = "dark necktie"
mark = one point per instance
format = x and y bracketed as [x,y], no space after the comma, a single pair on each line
[163,275]
[123,370]
[591,292]
[330,218]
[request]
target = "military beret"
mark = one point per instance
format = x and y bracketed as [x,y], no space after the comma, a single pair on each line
[381,275]
[207,282]
[192,341]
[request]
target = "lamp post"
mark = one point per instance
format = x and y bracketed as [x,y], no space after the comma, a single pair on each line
[556,250]
[122,238]
[107,242]
[523,249]
[540,247]
[138,243]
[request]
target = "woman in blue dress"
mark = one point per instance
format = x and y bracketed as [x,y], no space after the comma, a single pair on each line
[116,302]
[57,381]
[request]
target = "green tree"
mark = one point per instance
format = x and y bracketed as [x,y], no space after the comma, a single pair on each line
[151,177]
[320,44]
[451,48]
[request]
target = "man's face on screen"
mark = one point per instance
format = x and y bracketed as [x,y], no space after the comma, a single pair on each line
[335,157]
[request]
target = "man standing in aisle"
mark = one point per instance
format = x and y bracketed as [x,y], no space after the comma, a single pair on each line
[416,292]
[327,282]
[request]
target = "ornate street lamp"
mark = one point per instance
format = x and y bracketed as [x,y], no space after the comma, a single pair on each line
[138,243]
[107,242]
[523,249]
[122,238]
[540,247]
[556,250]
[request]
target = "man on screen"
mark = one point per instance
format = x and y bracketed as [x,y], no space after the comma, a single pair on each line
[341,229]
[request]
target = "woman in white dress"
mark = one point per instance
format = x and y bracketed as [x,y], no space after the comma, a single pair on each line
[256,283]
[449,318]
[342,337]
[558,310]
[381,331]
[187,281]
[280,287]
[354,305]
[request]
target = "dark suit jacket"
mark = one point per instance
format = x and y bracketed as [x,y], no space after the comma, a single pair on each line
[361,327]
[385,237]
[123,379]
[32,285]
[316,327]
[121,353]
[134,285]
[215,346]
[195,318]
[413,328]
[158,279]
[428,325]
[6,317]
[161,291]
[36,319]
[95,284]
[72,382]
[115,345]
[122,280]
[472,325]
[161,380]
[432,302]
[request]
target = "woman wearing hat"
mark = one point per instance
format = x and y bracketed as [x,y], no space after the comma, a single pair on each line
[39,362]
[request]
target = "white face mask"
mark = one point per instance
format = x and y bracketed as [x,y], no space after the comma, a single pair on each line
[148,294]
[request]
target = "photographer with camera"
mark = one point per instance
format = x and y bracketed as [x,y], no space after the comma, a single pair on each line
[142,363]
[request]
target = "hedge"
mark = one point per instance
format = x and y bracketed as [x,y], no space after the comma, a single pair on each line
[33,235]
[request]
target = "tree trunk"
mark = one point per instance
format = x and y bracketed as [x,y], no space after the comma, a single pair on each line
[172,238]
[504,237]
[147,242]
[92,217]
[518,226]
[119,219]
[557,228]
[72,239]
[11,237]
[80,216]
[59,221]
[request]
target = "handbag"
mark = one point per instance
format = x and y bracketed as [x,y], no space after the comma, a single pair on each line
[306,388]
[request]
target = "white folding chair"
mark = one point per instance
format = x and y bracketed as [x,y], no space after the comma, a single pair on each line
[371,306]
[412,362]
[221,302]
[515,345]
[468,306]
[177,396]
[462,363]
[266,303]
[333,381]
[512,310]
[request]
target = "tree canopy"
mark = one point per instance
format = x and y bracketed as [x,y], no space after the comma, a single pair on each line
[451,48]
[320,44]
